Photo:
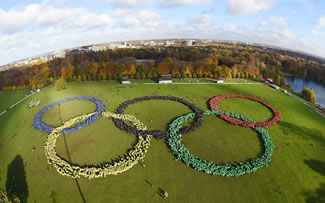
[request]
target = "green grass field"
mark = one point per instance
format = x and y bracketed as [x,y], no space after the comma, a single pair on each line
[9,98]
[296,173]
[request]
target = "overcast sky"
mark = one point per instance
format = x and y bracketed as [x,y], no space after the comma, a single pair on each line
[32,27]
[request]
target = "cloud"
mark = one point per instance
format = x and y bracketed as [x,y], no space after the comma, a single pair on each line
[40,15]
[128,3]
[91,20]
[321,22]
[246,7]
[319,28]
[16,19]
[119,12]
[279,22]
[145,20]
[262,24]
[209,11]
[200,20]
[175,3]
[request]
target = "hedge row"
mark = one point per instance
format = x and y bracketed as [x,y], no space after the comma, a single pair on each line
[90,172]
[245,123]
[228,170]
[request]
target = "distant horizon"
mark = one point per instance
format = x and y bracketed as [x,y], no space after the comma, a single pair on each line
[93,44]
[40,26]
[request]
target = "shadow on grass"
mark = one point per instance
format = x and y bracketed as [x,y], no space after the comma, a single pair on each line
[317,196]
[303,132]
[66,147]
[16,179]
[161,192]
[318,166]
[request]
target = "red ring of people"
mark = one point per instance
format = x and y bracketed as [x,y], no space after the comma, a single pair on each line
[276,114]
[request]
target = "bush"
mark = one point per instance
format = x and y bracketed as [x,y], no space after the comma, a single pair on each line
[309,95]
[60,84]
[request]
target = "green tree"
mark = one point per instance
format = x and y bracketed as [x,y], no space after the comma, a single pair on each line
[143,76]
[60,84]
[277,80]
[309,95]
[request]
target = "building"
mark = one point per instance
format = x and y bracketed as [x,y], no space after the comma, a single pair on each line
[151,44]
[220,80]
[47,58]
[187,42]
[168,43]
[268,81]
[59,54]
[166,79]
[125,81]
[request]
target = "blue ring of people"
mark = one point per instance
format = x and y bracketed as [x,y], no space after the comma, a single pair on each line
[40,125]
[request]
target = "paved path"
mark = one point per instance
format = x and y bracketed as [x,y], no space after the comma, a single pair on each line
[12,106]
[307,104]
[201,83]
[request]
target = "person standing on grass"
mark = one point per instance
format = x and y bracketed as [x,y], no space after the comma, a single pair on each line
[165,195]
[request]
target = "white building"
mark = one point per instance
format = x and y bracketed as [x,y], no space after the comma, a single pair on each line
[151,43]
[59,54]
[168,43]
[166,79]
[125,81]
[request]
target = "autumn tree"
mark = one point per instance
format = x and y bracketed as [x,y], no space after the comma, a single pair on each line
[130,70]
[45,73]
[93,68]
[60,84]
[70,71]
[309,95]
[64,73]
[188,69]
[163,69]
[225,72]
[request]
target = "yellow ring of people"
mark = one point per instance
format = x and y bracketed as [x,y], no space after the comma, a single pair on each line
[75,171]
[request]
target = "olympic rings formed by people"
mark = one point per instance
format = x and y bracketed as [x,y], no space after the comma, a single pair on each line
[245,123]
[75,171]
[145,136]
[156,133]
[39,125]
[182,153]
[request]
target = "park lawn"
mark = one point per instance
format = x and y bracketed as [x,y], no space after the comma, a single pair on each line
[9,98]
[295,174]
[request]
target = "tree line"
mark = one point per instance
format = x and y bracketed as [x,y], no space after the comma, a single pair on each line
[149,63]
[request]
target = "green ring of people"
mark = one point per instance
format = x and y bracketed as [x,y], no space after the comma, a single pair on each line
[227,170]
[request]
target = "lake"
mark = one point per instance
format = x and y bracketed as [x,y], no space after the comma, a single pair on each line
[298,84]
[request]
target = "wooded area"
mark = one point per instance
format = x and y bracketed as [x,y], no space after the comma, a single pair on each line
[150,63]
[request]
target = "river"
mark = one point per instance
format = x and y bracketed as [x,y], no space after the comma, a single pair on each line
[298,84]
